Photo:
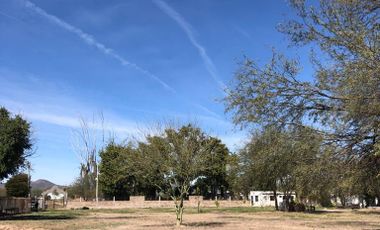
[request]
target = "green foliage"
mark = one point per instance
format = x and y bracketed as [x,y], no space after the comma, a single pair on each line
[81,188]
[118,176]
[214,177]
[36,192]
[173,160]
[342,100]
[18,185]
[287,161]
[15,143]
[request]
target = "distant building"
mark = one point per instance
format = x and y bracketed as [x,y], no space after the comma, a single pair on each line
[54,193]
[266,198]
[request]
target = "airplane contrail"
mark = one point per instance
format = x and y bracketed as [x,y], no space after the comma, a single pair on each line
[187,28]
[90,40]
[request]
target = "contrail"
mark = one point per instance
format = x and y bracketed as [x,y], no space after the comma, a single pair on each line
[186,27]
[90,40]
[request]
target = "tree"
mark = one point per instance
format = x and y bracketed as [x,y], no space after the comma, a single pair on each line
[267,161]
[119,177]
[239,184]
[343,100]
[174,159]
[18,185]
[287,161]
[87,142]
[214,178]
[15,143]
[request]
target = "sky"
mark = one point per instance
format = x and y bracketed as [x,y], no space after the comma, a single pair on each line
[137,62]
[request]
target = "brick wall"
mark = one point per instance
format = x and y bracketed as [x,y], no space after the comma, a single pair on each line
[138,203]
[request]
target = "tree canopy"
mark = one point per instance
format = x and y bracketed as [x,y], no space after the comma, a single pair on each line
[15,143]
[341,102]
[343,99]
[18,185]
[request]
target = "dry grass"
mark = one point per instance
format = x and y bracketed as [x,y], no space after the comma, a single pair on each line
[210,218]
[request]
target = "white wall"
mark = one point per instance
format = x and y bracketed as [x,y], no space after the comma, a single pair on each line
[263,198]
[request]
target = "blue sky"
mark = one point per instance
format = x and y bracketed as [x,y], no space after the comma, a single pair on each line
[137,61]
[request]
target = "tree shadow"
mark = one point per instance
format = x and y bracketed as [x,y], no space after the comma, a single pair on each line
[351,224]
[324,212]
[114,217]
[205,224]
[37,217]
[367,212]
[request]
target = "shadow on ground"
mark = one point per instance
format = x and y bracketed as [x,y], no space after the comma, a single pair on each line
[324,212]
[367,212]
[113,217]
[204,224]
[351,224]
[37,217]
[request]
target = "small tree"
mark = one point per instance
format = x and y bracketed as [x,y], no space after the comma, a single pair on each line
[173,160]
[18,185]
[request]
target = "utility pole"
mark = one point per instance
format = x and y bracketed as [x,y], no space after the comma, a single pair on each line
[29,182]
[97,183]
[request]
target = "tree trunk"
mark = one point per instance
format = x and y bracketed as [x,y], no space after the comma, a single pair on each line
[275,199]
[179,211]
[286,201]
[199,205]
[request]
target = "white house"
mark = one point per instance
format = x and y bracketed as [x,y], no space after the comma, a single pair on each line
[266,198]
[54,193]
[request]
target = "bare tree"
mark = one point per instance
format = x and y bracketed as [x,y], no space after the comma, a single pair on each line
[87,141]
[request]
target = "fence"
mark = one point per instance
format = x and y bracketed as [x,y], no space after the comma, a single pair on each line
[14,205]
[141,203]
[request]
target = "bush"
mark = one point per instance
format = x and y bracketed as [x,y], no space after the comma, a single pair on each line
[18,185]
[299,207]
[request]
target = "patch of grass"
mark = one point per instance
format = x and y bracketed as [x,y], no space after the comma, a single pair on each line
[47,215]
[238,210]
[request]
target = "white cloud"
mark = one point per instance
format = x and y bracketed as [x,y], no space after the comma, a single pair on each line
[187,28]
[91,41]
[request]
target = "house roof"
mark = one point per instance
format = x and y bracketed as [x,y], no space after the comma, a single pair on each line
[53,189]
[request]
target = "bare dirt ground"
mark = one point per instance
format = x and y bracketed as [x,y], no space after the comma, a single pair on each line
[210,219]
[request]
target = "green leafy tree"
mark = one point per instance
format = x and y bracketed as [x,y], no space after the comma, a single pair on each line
[119,177]
[342,100]
[15,143]
[214,178]
[114,177]
[267,162]
[239,183]
[287,161]
[18,185]
[173,160]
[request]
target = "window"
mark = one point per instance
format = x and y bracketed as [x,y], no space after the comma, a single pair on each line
[271,198]
[256,198]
